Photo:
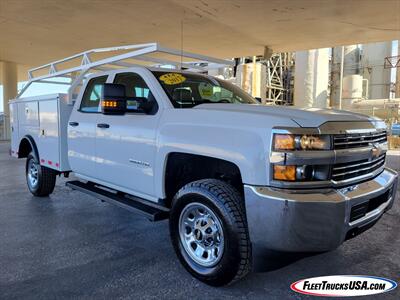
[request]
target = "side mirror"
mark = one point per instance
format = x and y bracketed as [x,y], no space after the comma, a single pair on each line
[113,99]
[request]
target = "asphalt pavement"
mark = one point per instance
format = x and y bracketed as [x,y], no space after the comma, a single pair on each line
[71,245]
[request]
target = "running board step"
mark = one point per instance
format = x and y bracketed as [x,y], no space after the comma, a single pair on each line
[133,204]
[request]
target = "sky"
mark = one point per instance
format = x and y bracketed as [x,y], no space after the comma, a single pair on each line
[42,89]
[37,89]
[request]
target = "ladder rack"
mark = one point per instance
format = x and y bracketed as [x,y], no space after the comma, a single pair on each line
[77,66]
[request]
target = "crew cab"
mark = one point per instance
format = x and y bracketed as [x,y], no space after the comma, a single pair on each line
[228,173]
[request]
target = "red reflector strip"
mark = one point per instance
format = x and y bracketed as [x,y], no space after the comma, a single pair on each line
[49,162]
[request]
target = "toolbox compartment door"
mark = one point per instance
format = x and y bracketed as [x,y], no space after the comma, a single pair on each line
[14,128]
[49,137]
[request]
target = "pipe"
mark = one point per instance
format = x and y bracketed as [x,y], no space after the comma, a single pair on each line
[254,78]
[341,79]
[366,87]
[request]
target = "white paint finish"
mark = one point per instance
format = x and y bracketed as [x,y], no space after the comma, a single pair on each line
[48,138]
[82,143]
[129,146]
[65,111]
[311,78]
[28,118]
[14,124]
[44,118]
[226,131]
[131,154]
[29,112]
[129,137]
[305,117]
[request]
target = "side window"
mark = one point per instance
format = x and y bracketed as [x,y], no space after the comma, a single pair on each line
[91,96]
[136,87]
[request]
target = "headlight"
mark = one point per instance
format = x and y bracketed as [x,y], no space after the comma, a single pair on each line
[284,142]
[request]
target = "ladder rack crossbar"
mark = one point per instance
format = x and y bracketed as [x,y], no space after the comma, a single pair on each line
[139,52]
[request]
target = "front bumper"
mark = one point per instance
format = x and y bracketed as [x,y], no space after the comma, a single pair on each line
[315,220]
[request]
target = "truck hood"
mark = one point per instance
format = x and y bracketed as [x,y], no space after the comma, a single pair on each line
[305,117]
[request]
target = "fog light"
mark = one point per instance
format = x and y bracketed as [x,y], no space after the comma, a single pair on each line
[287,173]
[304,173]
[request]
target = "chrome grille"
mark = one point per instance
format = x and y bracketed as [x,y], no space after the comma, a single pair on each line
[355,140]
[358,168]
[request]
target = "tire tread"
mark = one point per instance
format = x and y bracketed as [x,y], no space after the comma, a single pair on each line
[47,179]
[234,204]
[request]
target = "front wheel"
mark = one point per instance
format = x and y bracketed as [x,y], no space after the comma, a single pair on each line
[40,180]
[209,232]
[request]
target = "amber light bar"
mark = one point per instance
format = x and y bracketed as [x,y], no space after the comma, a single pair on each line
[109,103]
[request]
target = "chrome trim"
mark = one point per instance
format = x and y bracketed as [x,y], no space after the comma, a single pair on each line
[378,162]
[337,127]
[358,178]
[303,157]
[312,220]
[377,137]
[348,127]
[347,155]
[139,162]
[359,142]
[359,164]
[374,213]
[328,157]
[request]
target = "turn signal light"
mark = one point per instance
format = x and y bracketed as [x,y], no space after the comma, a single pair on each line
[287,173]
[109,103]
[284,142]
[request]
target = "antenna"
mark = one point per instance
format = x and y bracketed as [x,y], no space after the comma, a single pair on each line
[182,38]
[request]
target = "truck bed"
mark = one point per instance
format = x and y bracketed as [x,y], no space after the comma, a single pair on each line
[45,119]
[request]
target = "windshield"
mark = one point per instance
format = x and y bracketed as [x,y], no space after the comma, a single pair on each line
[189,90]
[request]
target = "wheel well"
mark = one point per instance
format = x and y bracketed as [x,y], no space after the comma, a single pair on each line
[26,146]
[183,168]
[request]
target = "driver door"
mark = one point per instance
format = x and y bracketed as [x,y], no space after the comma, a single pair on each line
[126,144]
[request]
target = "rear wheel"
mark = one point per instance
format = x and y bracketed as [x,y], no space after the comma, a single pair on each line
[40,180]
[209,232]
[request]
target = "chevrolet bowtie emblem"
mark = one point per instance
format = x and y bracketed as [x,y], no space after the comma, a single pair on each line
[376,150]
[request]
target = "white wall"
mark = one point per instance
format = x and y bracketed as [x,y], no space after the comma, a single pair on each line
[372,60]
[311,78]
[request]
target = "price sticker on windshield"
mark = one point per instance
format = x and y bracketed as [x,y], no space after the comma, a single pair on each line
[172,78]
[206,90]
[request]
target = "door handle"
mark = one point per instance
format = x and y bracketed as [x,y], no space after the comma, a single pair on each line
[73,124]
[103,125]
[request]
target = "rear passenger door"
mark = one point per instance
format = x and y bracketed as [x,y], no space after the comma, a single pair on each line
[82,129]
[126,145]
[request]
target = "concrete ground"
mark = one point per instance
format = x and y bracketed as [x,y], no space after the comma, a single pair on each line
[73,246]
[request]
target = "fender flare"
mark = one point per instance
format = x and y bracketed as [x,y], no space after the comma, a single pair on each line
[32,143]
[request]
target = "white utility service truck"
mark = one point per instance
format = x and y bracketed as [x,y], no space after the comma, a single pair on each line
[229,174]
